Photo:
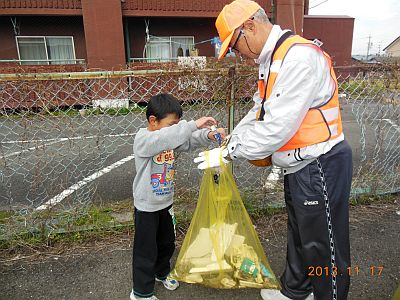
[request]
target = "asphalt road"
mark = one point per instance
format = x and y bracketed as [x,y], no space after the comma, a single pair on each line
[102,270]
[42,158]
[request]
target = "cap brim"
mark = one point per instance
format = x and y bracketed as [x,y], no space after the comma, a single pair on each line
[225,46]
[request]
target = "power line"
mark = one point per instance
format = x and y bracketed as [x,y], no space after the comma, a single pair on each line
[318,4]
[362,38]
[375,35]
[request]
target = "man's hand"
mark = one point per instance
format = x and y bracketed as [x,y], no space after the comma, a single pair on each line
[205,122]
[212,158]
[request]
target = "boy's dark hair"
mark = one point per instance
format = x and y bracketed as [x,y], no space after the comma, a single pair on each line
[162,105]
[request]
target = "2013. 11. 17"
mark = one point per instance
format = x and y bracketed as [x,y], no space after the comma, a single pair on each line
[350,271]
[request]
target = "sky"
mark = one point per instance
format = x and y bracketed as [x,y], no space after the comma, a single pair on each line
[379,19]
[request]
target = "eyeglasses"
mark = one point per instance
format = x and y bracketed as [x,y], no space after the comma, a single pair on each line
[237,39]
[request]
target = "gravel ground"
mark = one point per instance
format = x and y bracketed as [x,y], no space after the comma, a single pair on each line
[102,269]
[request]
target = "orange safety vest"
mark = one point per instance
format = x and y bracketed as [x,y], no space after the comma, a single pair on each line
[321,123]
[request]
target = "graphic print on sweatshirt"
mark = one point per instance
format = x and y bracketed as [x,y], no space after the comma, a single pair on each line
[163,183]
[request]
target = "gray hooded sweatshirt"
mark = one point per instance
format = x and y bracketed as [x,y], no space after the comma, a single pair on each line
[153,186]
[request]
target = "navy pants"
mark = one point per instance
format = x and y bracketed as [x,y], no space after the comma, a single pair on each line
[318,247]
[153,246]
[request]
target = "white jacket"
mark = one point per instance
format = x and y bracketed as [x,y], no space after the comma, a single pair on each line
[303,82]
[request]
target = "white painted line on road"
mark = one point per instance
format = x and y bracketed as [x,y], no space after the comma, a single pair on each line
[56,140]
[65,138]
[29,149]
[57,199]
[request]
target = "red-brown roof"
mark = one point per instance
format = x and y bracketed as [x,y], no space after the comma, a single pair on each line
[206,8]
[328,17]
[180,8]
[146,8]
[40,7]
[41,4]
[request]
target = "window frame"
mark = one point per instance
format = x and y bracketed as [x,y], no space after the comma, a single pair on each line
[44,37]
[167,39]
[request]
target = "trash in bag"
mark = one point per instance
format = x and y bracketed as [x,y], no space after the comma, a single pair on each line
[221,248]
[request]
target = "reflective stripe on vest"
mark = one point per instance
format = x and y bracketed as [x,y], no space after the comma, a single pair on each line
[320,123]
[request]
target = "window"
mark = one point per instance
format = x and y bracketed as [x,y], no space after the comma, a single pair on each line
[36,50]
[168,48]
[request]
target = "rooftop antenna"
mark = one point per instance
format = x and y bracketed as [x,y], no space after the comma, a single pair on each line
[147,22]
[15,25]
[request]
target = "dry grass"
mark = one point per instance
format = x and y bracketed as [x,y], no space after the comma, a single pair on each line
[271,225]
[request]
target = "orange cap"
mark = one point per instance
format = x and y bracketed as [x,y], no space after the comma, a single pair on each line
[231,17]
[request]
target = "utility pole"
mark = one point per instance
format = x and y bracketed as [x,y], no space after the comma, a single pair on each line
[369,45]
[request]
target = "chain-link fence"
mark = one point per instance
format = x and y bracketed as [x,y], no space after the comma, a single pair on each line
[66,138]
[373,95]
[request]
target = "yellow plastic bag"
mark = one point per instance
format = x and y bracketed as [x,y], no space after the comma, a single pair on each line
[221,248]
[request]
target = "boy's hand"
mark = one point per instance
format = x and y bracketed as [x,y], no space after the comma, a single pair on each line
[221,131]
[205,122]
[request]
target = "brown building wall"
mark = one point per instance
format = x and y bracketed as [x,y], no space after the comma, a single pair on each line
[41,26]
[336,32]
[104,34]
[306,6]
[202,29]
[102,24]
[289,14]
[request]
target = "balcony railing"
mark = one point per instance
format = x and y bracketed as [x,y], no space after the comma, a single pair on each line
[43,61]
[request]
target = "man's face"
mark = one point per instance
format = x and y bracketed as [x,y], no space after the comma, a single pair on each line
[235,42]
[243,40]
[236,39]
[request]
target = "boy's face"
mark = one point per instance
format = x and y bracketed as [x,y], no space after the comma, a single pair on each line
[155,124]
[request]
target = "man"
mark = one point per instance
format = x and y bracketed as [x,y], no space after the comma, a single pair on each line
[295,124]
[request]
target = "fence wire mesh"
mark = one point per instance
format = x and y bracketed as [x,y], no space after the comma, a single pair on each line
[66,139]
[374,99]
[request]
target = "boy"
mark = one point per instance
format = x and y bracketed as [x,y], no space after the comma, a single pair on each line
[153,189]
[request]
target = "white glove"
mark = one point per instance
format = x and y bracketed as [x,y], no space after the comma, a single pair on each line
[215,157]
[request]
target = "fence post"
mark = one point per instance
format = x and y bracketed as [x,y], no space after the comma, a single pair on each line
[231,99]
[231,103]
